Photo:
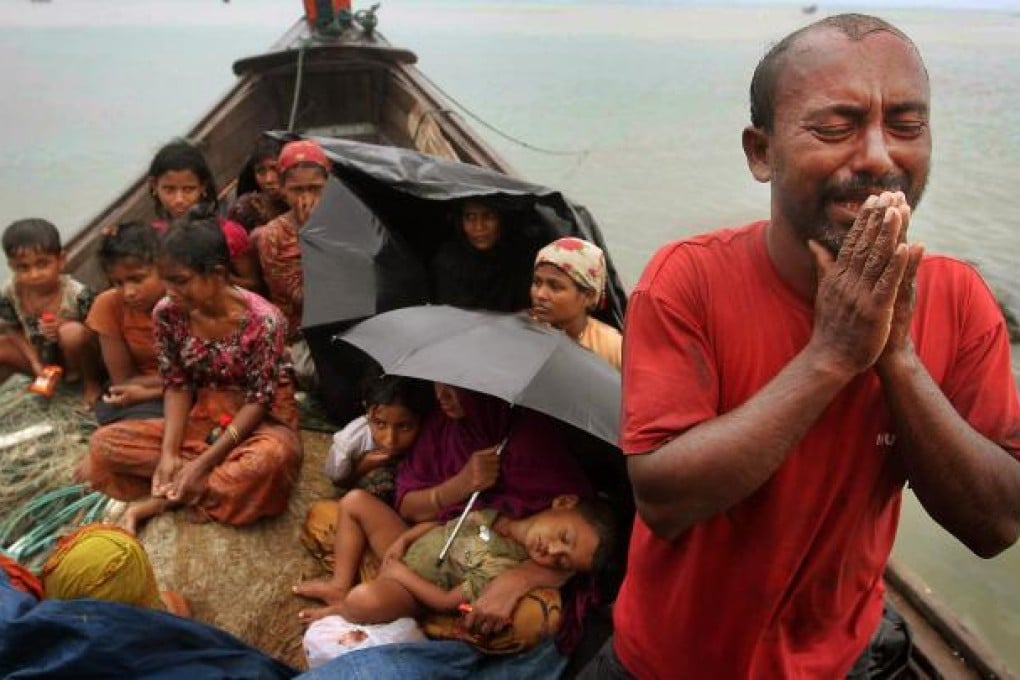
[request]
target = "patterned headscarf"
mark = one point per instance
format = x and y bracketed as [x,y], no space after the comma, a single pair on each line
[582,261]
[301,151]
[101,562]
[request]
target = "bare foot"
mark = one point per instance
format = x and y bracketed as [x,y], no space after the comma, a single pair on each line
[322,590]
[309,615]
[139,512]
[91,394]
[175,603]
[196,515]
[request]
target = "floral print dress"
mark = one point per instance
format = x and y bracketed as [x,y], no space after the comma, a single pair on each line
[251,365]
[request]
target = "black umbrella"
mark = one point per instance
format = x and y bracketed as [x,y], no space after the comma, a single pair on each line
[354,265]
[365,248]
[505,355]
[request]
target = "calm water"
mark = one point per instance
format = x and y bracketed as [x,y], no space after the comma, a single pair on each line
[651,95]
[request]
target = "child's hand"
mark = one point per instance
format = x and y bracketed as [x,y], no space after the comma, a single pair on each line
[396,570]
[395,553]
[124,395]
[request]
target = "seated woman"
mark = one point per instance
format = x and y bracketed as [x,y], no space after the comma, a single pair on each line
[568,284]
[304,172]
[454,456]
[122,319]
[221,353]
[259,194]
[485,266]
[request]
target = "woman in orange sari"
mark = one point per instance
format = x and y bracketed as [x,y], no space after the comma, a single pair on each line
[227,445]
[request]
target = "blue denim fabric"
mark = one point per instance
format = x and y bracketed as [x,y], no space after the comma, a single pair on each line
[441,660]
[96,639]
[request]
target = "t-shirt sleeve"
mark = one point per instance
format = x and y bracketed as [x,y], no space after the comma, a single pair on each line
[980,383]
[9,321]
[83,302]
[670,376]
[105,315]
[349,446]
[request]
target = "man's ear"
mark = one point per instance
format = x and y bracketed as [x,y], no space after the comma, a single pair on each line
[564,502]
[758,152]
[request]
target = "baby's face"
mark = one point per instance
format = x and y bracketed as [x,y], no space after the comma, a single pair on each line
[563,539]
[36,270]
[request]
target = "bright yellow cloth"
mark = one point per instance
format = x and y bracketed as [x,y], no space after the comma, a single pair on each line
[102,562]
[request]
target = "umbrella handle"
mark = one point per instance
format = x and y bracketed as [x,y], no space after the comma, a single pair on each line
[464,513]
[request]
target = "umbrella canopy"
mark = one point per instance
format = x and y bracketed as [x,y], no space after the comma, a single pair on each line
[505,355]
[354,265]
[366,246]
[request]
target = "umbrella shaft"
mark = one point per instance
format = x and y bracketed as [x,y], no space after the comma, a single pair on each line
[456,527]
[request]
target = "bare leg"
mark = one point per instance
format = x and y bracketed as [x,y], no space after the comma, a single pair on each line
[80,350]
[139,512]
[379,601]
[362,520]
[12,360]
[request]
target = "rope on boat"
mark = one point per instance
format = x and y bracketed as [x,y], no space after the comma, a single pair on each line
[32,529]
[43,442]
[510,138]
[298,78]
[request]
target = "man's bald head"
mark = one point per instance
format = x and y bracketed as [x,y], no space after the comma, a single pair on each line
[855,27]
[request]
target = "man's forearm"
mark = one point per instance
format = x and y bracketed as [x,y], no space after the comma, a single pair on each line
[966,482]
[717,463]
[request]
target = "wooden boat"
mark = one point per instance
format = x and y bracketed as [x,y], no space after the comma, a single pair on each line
[357,86]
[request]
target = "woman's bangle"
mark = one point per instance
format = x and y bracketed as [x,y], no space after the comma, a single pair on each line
[434,498]
[232,431]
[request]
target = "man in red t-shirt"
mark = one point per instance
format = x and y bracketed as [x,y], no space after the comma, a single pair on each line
[783,380]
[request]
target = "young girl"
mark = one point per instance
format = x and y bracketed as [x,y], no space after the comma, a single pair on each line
[366,451]
[221,353]
[259,193]
[181,184]
[42,309]
[122,319]
[364,454]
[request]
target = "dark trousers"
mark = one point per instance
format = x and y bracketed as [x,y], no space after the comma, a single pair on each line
[605,665]
[885,658]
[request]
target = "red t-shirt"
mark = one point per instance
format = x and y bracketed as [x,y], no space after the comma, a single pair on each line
[787,583]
